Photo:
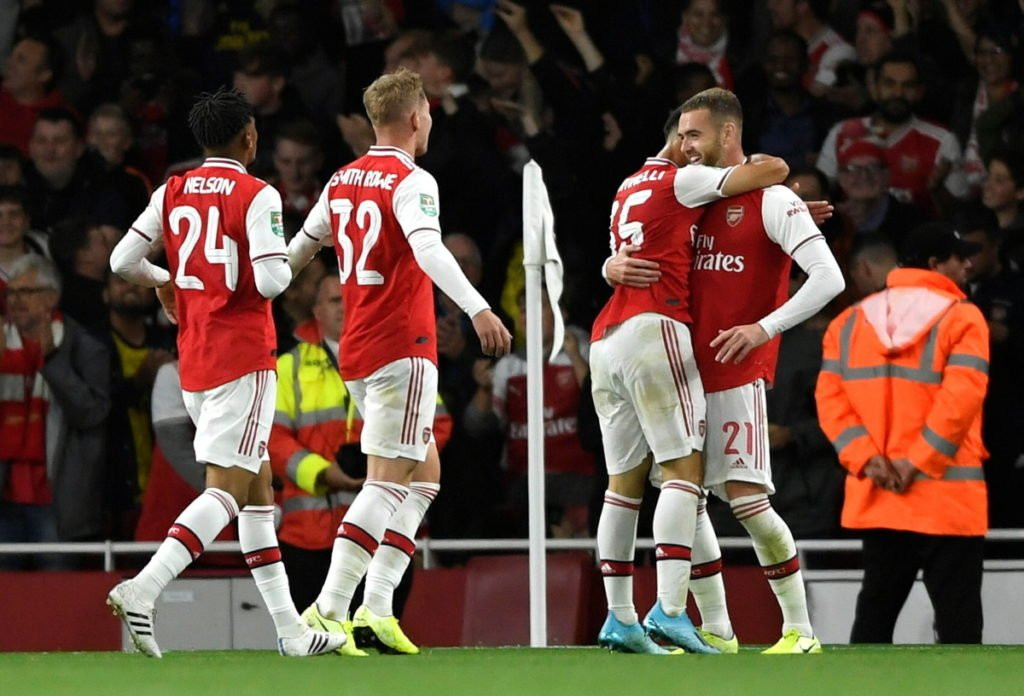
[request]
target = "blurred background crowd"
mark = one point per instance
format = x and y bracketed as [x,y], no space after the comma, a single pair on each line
[900,112]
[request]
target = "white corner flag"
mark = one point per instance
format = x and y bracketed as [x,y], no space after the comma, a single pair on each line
[539,249]
[539,252]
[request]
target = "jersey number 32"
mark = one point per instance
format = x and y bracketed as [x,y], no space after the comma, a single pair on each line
[368,220]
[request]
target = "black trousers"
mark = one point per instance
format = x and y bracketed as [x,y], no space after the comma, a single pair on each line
[952,569]
[307,571]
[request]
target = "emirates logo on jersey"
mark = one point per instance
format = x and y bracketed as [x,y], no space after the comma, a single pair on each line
[707,259]
[733,215]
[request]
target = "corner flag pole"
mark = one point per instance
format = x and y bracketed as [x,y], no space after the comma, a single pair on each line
[539,255]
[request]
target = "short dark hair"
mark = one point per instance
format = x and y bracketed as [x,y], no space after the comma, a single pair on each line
[60,114]
[809,170]
[11,152]
[903,57]
[671,126]
[874,247]
[14,194]
[263,59]
[685,76]
[67,237]
[501,46]
[974,216]
[819,8]
[1014,163]
[722,104]
[301,132]
[54,56]
[454,51]
[218,117]
[792,37]
[419,40]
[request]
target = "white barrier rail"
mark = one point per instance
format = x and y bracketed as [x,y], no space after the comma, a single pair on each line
[110,550]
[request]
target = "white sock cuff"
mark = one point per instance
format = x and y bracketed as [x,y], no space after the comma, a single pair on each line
[425,489]
[747,506]
[683,486]
[225,499]
[396,490]
[256,512]
[622,500]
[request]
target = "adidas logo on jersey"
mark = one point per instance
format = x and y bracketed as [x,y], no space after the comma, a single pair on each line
[738,464]
[606,568]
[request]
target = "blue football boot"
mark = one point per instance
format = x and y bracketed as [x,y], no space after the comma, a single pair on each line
[620,637]
[676,630]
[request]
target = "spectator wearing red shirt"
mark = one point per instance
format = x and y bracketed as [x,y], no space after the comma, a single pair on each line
[826,49]
[704,39]
[29,75]
[924,159]
[52,432]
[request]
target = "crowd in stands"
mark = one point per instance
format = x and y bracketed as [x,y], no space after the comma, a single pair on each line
[900,112]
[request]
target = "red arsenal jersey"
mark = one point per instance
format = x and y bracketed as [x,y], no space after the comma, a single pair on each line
[911,152]
[741,275]
[825,51]
[216,222]
[563,452]
[657,209]
[371,207]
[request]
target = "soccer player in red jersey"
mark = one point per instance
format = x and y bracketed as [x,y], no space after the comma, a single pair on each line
[381,214]
[743,251]
[647,393]
[224,239]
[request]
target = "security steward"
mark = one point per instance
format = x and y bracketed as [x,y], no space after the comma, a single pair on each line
[899,395]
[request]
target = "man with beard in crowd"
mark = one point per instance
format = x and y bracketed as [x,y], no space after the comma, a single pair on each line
[137,349]
[923,158]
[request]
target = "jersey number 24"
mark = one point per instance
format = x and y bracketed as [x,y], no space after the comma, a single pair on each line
[226,254]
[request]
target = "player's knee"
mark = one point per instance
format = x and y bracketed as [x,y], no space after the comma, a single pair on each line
[689,468]
[233,481]
[630,484]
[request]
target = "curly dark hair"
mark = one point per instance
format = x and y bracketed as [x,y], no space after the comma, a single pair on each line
[218,117]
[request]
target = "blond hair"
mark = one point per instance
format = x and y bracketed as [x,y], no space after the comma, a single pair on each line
[393,96]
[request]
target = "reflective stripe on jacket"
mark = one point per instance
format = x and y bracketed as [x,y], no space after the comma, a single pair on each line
[315,417]
[904,374]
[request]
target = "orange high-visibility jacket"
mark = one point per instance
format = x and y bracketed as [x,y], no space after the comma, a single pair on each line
[904,374]
[315,416]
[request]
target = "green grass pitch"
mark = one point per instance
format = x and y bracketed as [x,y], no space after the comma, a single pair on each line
[872,671]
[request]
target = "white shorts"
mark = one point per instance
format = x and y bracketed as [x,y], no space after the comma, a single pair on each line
[736,448]
[233,420]
[647,392]
[397,403]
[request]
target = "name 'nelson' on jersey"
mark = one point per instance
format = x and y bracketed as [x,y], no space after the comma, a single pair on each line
[216,222]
